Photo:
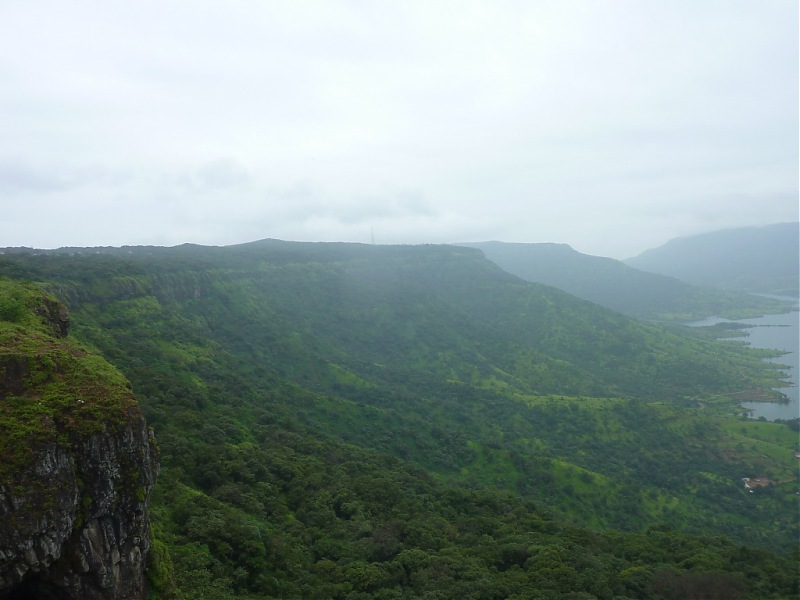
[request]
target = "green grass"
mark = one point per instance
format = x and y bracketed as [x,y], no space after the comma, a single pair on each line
[57,390]
[776,434]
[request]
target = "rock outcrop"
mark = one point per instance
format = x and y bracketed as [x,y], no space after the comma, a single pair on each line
[79,464]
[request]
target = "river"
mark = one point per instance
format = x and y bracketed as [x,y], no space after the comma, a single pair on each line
[780,332]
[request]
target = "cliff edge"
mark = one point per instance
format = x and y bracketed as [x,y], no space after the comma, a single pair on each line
[78,462]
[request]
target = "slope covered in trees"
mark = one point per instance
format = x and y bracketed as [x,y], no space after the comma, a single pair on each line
[620,287]
[354,421]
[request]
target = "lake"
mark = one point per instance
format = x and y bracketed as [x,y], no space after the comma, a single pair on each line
[780,332]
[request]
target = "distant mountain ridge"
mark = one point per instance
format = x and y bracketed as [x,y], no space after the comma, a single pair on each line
[754,259]
[615,285]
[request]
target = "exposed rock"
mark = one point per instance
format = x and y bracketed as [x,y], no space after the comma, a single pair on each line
[80,466]
[54,314]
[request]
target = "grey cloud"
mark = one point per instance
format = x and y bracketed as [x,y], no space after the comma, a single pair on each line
[606,125]
[17,177]
[304,202]
[222,174]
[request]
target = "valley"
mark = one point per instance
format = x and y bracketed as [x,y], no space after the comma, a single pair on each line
[352,421]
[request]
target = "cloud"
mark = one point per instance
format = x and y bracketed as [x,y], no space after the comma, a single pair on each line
[221,174]
[578,121]
[20,178]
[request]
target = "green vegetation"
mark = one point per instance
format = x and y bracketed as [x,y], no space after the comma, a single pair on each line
[343,421]
[51,389]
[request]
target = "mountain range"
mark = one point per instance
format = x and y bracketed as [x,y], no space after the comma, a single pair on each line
[620,287]
[754,259]
[354,421]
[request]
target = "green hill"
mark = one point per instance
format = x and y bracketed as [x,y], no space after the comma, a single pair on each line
[755,259]
[348,421]
[617,286]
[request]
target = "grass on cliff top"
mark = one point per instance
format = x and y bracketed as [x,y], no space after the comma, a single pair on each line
[51,389]
[18,301]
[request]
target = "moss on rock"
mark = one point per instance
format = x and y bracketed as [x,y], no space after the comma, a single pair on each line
[51,388]
[79,461]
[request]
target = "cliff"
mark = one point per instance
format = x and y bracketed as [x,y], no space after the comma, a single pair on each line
[78,462]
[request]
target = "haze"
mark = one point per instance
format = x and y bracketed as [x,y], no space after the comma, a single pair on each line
[612,125]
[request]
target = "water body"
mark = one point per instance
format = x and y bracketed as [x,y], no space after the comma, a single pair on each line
[779,332]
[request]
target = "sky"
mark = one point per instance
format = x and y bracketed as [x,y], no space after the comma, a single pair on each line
[610,125]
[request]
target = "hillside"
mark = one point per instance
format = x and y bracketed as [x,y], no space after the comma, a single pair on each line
[617,286]
[754,259]
[349,421]
[78,463]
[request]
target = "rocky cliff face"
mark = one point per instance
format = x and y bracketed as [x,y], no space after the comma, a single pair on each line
[79,464]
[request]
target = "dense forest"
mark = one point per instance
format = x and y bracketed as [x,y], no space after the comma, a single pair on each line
[355,422]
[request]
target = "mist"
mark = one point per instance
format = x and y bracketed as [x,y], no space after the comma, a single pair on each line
[611,126]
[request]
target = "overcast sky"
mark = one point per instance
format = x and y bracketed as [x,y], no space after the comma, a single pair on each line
[611,125]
